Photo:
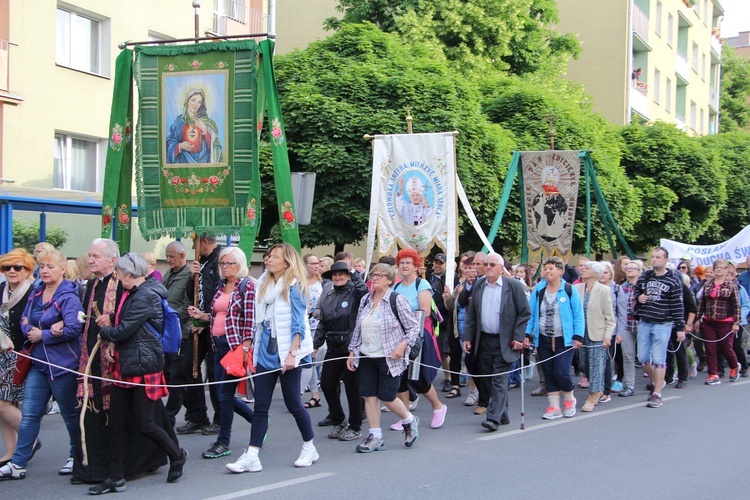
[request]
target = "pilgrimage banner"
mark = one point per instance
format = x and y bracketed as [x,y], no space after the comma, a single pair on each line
[196,137]
[550,190]
[413,197]
[735,249]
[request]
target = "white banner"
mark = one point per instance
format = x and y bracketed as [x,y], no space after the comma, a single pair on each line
[736,250]
[413,197]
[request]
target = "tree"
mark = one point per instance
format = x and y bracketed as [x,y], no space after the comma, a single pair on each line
[27,235]
[476,35]
[735,92]
[360,81]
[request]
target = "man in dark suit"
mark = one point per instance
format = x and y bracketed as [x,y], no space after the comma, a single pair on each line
[496,320]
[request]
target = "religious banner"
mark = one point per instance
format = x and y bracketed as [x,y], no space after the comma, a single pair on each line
[413,196]
[736,250]
[550,190]
[196,137]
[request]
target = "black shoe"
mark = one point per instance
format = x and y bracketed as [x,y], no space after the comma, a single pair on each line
[701,365]
[328,422]
[490,425]
[76,481]
[190,428]
[504,420]
[446,386]
[37,445]
[681,384]
[108,486]
[217,450]
[210,430]
[175,468]
[650,387]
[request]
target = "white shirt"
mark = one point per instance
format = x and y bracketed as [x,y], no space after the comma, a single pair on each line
[491,306]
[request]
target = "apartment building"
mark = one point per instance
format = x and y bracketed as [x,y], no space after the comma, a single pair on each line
[675,43]
[740,44]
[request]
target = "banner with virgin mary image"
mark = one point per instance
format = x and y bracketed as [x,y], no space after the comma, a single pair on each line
[550,182]
[196,136]
[413,196]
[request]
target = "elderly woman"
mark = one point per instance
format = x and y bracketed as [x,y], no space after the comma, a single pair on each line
[419,294]
[337,315]
[628,336]
[283,340]
[379,350]
[620,306]
[14,292]
[555,326]
[232,321]
[599,320]
[138,360]
[718,319]
[55,300]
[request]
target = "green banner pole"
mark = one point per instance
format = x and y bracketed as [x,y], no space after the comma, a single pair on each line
[524,227]
[507,189]
[588,210]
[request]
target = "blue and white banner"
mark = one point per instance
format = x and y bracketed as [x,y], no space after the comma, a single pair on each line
[413,196]
[736,250]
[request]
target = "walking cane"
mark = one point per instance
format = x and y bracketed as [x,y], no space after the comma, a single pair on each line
[523,377]
[85,403]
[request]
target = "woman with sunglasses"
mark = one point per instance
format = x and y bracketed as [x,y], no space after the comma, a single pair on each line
[315,287]
[17,265]
[455,341]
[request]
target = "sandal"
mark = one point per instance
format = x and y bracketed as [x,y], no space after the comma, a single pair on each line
[455,392]
[313,403]
[539,391]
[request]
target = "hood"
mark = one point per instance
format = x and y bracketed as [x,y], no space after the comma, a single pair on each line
[152,284]
[63,288]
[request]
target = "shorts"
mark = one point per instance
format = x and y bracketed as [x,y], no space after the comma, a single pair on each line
[376,381]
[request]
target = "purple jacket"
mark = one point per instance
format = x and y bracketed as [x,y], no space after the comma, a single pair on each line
[65,349]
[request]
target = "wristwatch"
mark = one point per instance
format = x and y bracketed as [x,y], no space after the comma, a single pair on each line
[246,349]
[293,353]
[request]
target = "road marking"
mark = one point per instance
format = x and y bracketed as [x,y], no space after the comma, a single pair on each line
[579,416]
[272,486]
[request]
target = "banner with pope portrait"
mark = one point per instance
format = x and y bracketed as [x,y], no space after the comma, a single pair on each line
[413,197]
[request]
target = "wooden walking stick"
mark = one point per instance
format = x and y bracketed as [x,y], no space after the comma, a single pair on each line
[196,291]
[86,374]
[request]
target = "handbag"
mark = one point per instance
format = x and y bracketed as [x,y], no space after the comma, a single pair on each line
[23,365]
[234,362]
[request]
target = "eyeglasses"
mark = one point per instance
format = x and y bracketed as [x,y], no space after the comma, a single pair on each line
[16,267]
[227,264]
[378,275]
[492,264]
[631,269]
[682,268]
[408,264]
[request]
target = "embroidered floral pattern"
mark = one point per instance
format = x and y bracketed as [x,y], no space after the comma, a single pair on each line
[195,184]
[123,217]
[195,64]
[107,218]
[171,67]
[386,167]
[288,221]
[252,212]
[221,65]
[277,135]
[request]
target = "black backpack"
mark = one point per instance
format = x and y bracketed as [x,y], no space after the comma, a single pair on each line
[568,290]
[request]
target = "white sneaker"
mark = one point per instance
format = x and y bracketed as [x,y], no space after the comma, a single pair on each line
[67,469]
[248,462]
[413,404]
[693,369]
[307,457]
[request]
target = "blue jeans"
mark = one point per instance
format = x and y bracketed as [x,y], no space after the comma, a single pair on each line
[653,339]
[228,404]
[39,388]
[557,370]
[265,383]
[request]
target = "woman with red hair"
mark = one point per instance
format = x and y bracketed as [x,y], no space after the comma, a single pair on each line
[419,294]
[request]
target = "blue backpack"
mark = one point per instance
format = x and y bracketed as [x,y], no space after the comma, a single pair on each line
[171,335]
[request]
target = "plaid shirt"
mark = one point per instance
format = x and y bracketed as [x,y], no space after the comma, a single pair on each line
[632,323]
[720,304]
[155,382]
[240,319]
[390,329]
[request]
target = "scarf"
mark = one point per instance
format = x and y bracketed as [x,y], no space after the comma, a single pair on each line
[11,299]
[265,307]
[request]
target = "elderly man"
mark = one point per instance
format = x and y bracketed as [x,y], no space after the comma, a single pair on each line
[176,281]
[496,321]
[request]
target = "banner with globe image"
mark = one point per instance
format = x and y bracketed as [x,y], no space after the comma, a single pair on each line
[550,180]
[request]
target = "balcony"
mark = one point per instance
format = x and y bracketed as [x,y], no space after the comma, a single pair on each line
[639,101]
[716,47]
[640,23]
[679,121]
[682,68]
[5,94]
[713,99]
[235,17]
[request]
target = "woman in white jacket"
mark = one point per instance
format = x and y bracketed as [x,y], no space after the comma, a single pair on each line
[282,341]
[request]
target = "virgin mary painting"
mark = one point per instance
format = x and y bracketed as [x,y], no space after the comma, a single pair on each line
[193,137]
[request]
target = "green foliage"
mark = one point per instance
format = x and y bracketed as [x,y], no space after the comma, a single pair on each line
[735,92]
[27,235]
[682,184]
[360,81]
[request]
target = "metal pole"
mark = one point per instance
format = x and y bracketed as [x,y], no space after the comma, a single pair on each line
[523,389]
[197,6]
[272,19]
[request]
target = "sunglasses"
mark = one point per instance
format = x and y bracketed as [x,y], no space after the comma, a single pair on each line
[491,264]
[683,268]
[17,268]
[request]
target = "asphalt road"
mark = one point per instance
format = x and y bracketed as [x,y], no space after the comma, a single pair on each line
[695,446]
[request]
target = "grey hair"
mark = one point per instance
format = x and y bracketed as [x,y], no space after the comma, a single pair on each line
[133,265]
[111,250]
[239,256]
[596,267]
[386,269]
[502,261]
[177,246]
[608,267]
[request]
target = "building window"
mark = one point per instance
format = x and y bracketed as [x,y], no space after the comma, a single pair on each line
[670,29]
[694,57]
[657,85]
[703,66]
[701,123]
[78,163]
[81,42]
[668,96]
[658,18]
[705,12]
[693,115]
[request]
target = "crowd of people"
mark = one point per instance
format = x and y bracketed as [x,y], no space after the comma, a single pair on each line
[312,324]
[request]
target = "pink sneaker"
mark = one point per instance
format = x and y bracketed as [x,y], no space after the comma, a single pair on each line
[398,426]
[438,417]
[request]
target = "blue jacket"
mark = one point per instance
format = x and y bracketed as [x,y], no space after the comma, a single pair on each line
[64,350]
[744,279]
[571,314]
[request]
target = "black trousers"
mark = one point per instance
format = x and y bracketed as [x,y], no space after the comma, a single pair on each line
[122,402]
[484,385]
[456,354]
[682,358]
[334,371]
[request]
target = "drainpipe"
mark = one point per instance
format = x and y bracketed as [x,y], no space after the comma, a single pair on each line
[629,108]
